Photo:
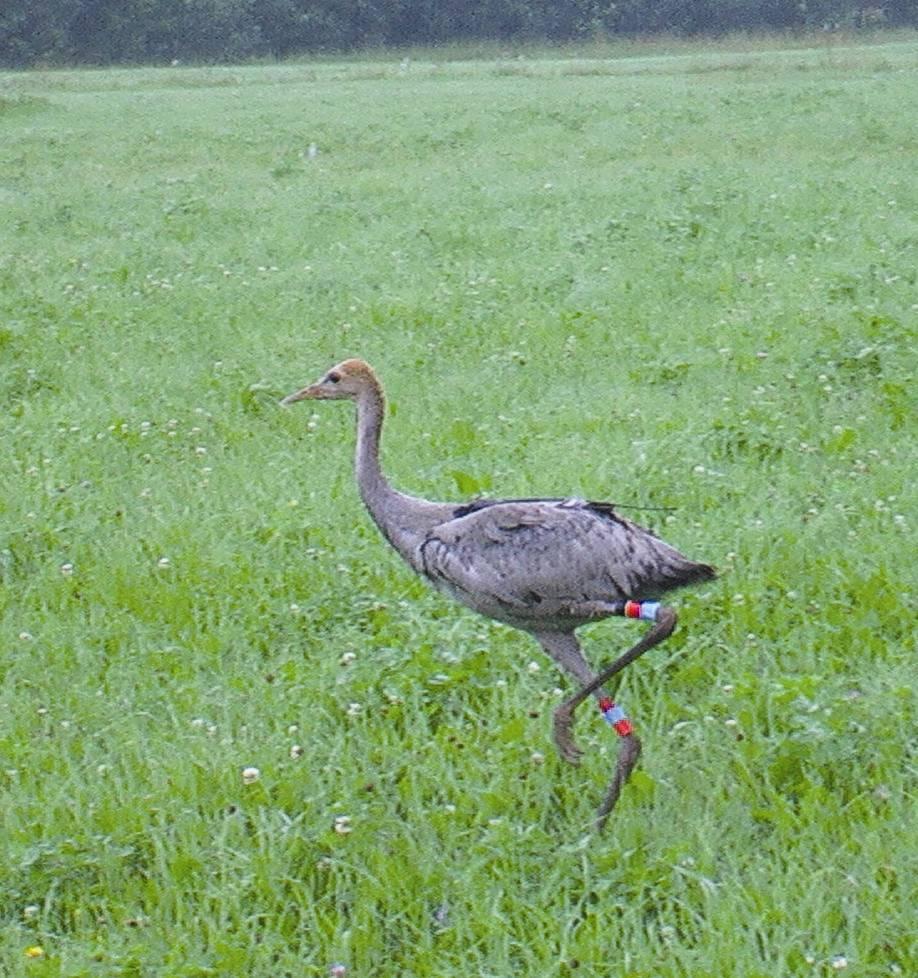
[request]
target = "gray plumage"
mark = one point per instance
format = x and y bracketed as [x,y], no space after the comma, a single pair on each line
[546,566]
[532,563]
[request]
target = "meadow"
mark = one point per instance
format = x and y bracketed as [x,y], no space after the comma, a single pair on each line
[676,279]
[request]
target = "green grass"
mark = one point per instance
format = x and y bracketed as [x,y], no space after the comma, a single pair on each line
[677,279]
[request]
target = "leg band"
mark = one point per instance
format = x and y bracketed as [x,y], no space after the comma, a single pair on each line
[645,610]
[616,717]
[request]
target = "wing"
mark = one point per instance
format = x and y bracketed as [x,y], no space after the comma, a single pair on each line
[527,556]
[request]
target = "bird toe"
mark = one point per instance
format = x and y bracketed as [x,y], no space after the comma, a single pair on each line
[571,753]
[564,739]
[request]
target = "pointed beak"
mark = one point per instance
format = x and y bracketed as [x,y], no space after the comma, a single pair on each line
[302,395]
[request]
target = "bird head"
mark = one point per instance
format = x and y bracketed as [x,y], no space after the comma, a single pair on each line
[347,379]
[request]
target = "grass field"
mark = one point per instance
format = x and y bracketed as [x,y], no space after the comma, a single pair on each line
[673,279]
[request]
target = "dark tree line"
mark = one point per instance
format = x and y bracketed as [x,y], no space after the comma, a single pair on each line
[48,32]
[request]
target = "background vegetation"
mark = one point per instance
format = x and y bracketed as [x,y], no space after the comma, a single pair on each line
[681,278]
[43,32]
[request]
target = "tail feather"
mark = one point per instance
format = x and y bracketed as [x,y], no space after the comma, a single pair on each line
[692,573]
[672,572]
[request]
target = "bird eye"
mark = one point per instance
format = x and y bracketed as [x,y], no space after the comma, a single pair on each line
[333,377]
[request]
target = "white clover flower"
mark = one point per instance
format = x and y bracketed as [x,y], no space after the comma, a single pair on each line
[67,569]
[296,751]
[163,563]
[250,775]
[533,668]
[354,709]
[343,824]
[347,658]
[839,962]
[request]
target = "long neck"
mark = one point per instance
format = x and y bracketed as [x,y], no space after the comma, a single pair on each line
[403,520]
[375,490]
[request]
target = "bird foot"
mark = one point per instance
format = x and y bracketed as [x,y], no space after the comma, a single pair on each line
[628,755]
[564,739]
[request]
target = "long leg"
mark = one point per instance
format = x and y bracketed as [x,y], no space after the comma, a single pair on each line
[630,749]
[564,648]
[662,628]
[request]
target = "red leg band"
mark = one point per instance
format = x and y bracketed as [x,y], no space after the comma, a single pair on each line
[615,716]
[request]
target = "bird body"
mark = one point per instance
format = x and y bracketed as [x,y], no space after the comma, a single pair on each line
[545,566]
[532,563]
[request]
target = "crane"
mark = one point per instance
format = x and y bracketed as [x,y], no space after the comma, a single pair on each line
[546,566]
